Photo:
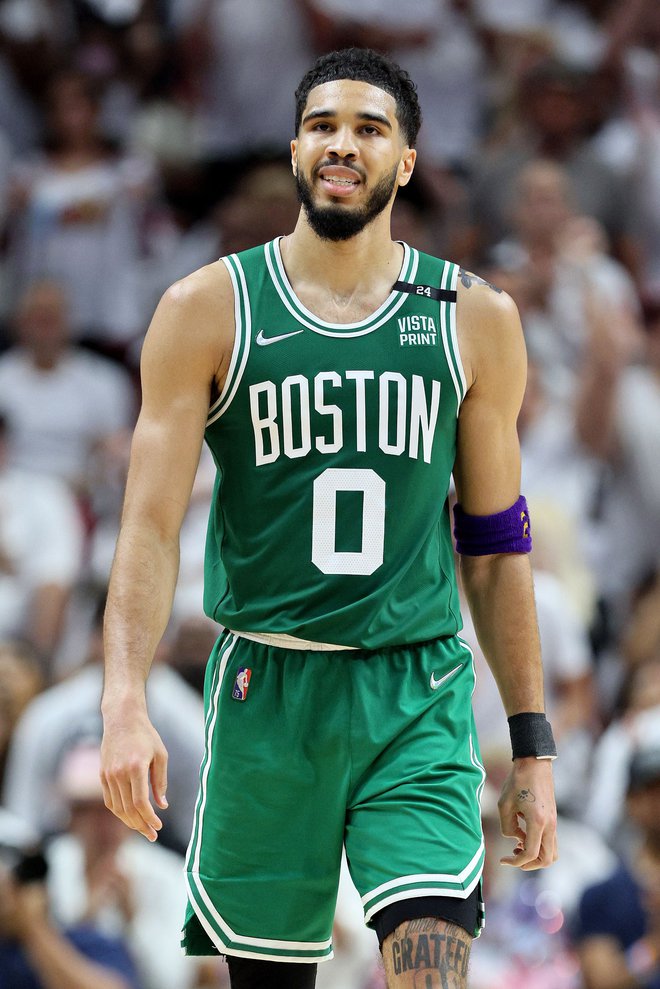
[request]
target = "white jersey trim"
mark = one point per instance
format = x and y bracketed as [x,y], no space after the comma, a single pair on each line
[449,283]
[454,334]
[242,338]
[307,318]
[430,877]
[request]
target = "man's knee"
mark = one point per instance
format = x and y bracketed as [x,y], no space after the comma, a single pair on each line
[253,973]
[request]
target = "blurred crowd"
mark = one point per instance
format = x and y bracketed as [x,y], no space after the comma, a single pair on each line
[140,139]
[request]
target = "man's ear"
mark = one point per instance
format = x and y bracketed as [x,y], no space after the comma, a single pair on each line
[407,166]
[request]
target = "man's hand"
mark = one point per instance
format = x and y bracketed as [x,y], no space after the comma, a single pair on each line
[528,813]
[133,757]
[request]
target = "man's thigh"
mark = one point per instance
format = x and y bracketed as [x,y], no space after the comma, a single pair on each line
[427,953]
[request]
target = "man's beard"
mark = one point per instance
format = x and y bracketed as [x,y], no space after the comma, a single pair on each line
[337,222]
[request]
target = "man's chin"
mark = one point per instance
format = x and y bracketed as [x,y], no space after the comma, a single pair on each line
[335,223]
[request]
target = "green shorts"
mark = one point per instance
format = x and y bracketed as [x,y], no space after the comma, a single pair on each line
[307,752]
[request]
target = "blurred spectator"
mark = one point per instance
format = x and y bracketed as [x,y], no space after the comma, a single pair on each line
[640,642]
[103,875]
[35,951]
[21,679]
[70,712]
[33,36]
[41,542]
[647,173]
[124,47]
[618,419]
[618,924]
[77,216]
[556,261]
[61,402]
[264,205]
[570,30]
[638,711]
[561,481]
[552,125]
[233,51]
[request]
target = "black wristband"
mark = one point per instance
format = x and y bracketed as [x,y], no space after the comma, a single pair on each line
[531,735]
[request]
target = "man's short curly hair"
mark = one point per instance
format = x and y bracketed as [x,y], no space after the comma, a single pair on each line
[366,65]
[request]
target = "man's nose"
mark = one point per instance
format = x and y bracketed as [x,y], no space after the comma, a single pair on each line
[342,144]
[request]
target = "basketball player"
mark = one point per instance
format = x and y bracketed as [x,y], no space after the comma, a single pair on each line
[339,379]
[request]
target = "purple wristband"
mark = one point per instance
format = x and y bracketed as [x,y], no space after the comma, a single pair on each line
[504,532]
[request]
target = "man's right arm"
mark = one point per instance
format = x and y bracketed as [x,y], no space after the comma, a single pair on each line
[186,349]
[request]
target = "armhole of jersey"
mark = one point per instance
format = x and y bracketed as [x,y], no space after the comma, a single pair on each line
[449,334]
[242,337]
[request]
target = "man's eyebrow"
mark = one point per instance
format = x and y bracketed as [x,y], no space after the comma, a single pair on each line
[366,116]
[378,118]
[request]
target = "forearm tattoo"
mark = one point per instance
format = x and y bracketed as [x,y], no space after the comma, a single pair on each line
[468,279]
[438,958]
[526,796]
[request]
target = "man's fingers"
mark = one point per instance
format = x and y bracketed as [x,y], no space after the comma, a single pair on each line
[126,794]
[536,850]
[158,777]
[116,803]
[148,822]
[547,855]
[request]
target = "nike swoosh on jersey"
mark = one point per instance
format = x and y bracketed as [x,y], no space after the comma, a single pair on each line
[264,341]
[438,683]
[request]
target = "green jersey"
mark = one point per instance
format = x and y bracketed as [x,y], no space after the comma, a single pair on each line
[334,445]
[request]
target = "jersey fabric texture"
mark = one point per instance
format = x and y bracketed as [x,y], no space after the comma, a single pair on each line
[374,750]
[334,445]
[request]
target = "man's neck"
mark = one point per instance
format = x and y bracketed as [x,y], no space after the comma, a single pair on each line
[342,267]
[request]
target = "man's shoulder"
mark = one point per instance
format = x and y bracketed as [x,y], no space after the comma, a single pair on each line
[488,325]
[479,293]
[195,317]
[209,285]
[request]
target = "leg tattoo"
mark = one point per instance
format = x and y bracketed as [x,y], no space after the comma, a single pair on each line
[427,954]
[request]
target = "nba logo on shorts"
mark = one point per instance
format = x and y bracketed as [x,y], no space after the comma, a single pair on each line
[239,693]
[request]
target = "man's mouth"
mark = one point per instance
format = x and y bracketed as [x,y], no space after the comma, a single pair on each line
[339,180]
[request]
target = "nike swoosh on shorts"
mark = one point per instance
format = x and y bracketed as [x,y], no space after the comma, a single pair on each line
[438,683]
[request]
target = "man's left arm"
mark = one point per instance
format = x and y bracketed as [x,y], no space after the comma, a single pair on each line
[493,533]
